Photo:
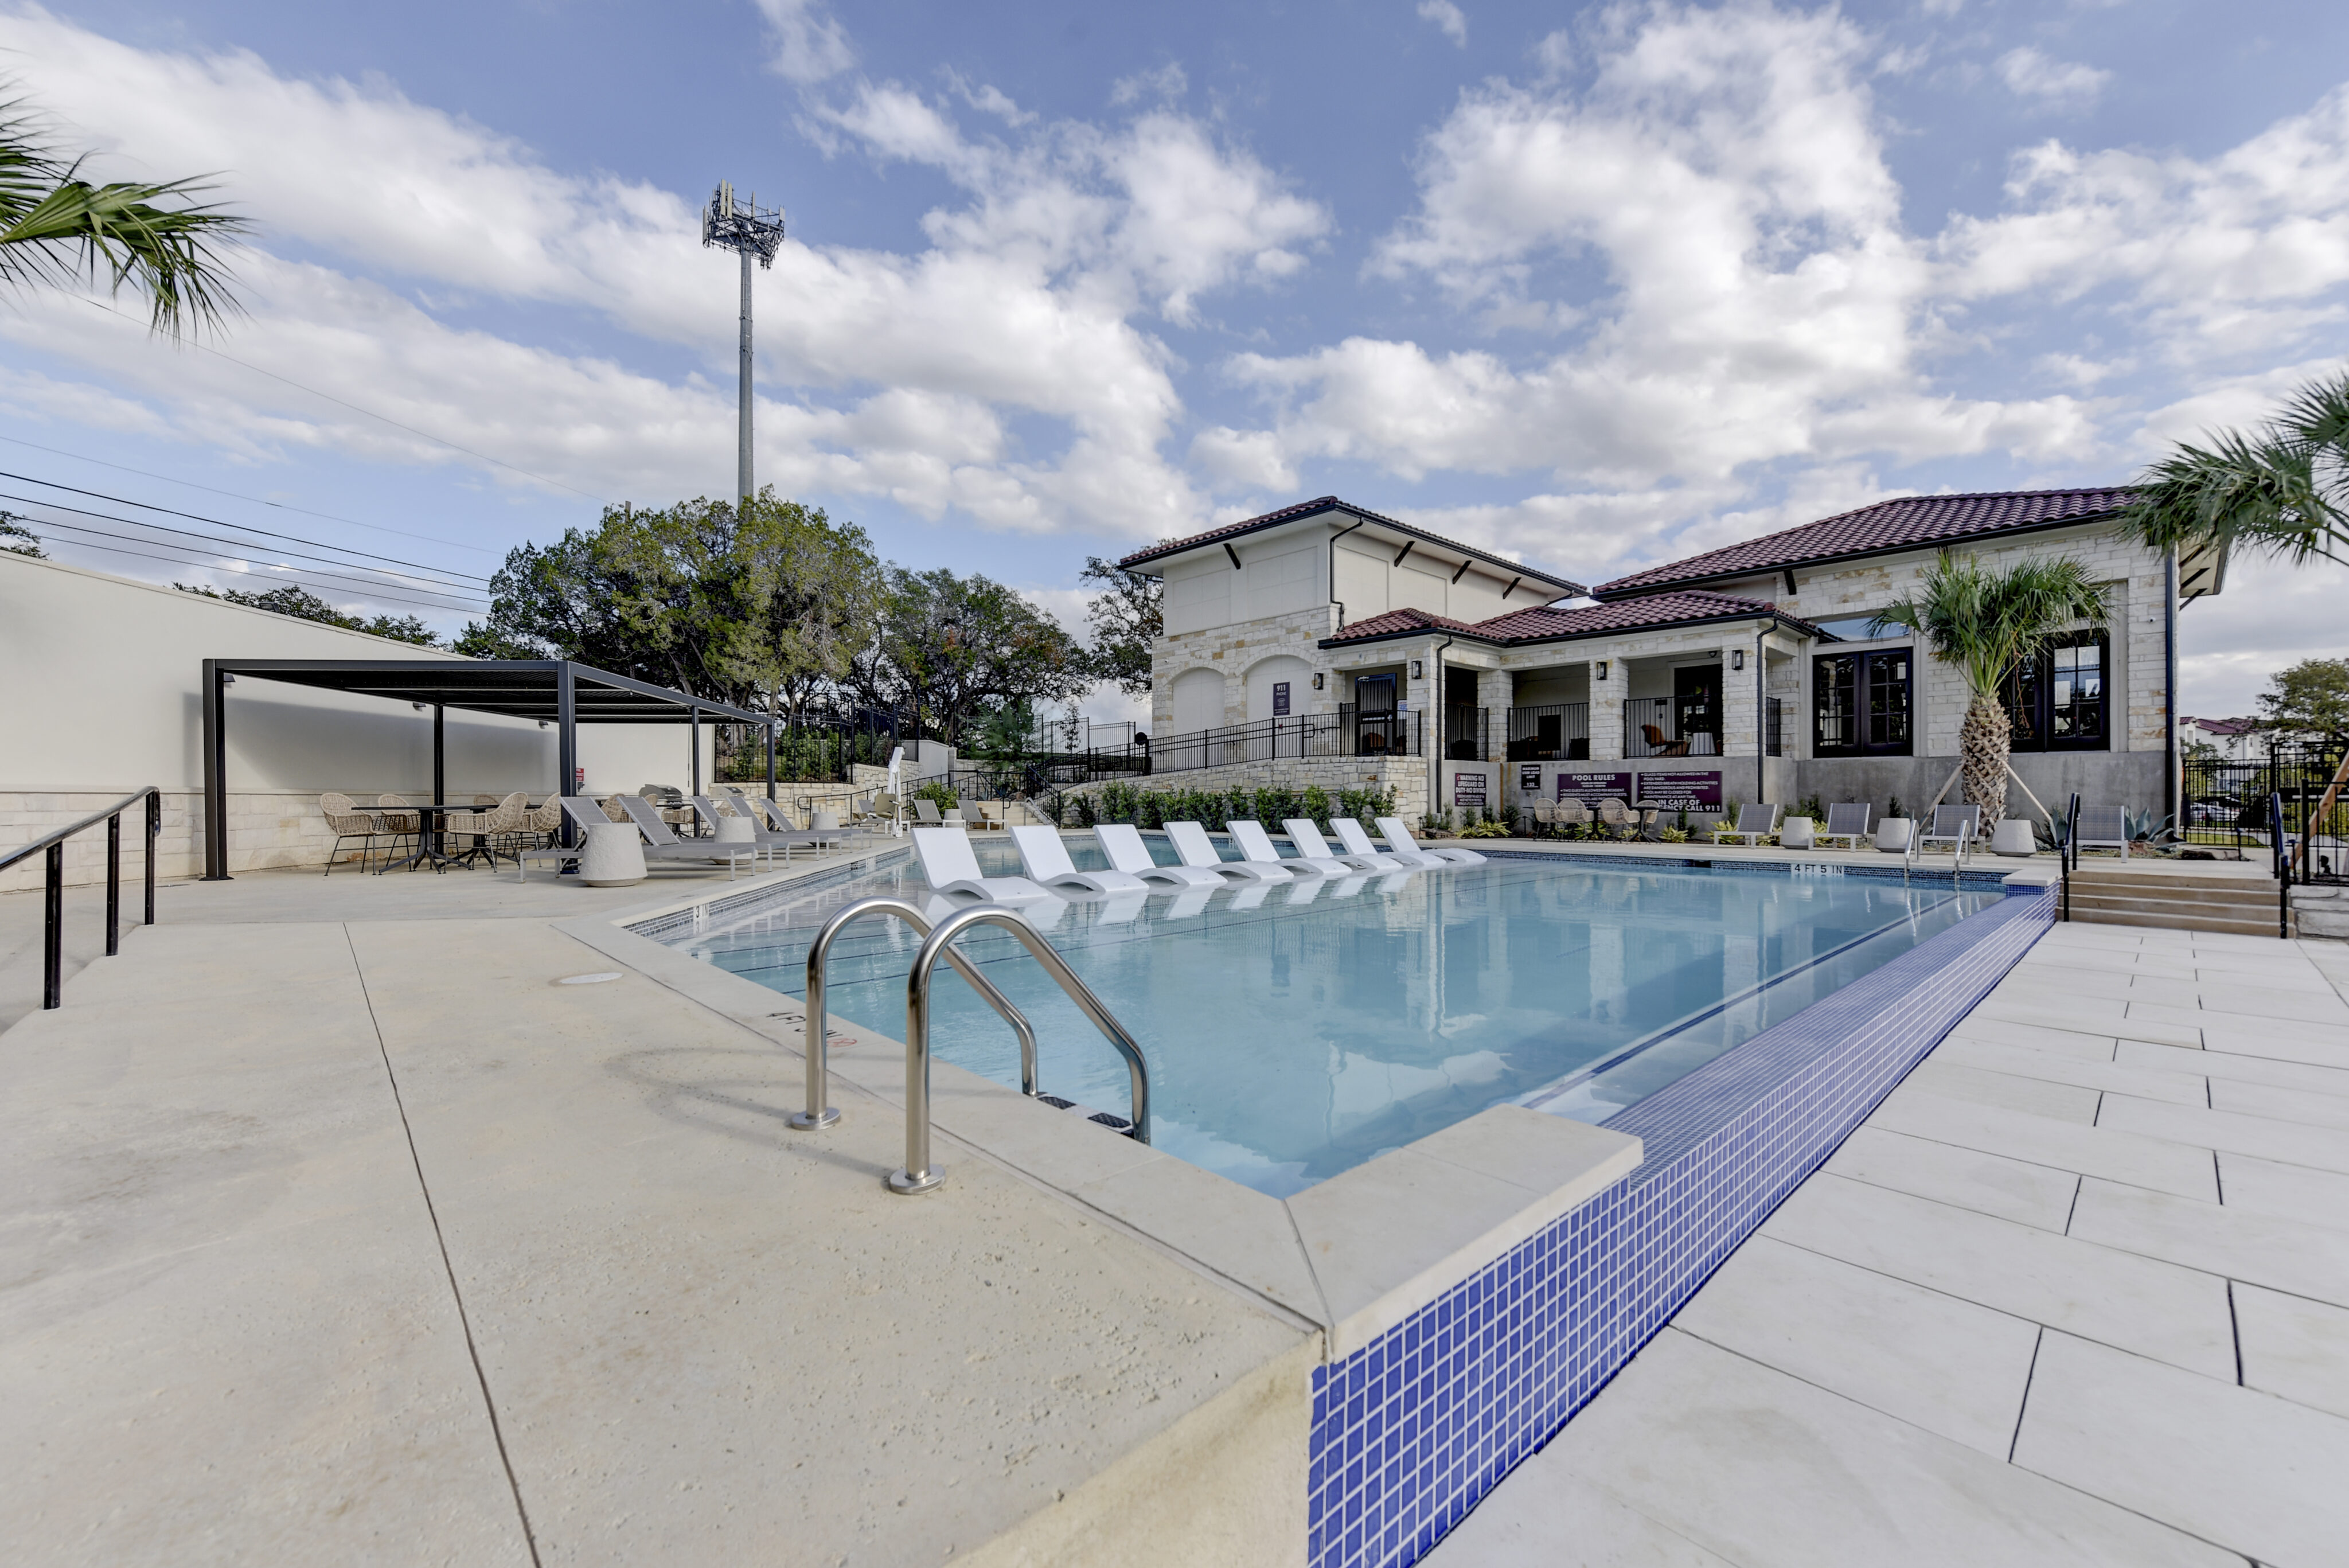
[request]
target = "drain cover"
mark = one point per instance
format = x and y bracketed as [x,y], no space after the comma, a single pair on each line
[597,979]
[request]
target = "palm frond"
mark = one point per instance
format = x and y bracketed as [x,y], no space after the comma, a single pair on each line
[1985,621]
[2283,492]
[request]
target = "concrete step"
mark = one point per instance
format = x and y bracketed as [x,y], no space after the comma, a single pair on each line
[2165,898]
[2181,881]
[2216,924]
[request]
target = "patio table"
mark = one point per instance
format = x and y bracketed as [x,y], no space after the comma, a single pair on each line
[428,831]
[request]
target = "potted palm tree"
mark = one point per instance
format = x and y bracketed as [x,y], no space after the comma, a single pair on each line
[1986,622]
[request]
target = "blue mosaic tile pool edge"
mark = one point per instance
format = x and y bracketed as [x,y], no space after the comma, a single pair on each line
[1409,1432]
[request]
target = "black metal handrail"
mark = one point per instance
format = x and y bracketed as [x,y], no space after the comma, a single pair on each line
[2282,864]
[2068,852]
[52,948]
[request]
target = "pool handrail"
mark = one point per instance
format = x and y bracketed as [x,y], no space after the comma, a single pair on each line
[917,1174]
[819,1113]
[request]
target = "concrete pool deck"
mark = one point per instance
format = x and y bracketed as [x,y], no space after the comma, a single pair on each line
[336,1230]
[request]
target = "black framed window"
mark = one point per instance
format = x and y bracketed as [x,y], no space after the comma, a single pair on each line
[1861,704]
[2055,699]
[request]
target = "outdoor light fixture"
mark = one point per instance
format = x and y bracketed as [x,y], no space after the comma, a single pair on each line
[749,231]
[1602,671]
[418,706]
[228,679]
[1737,659]
[1416,671]
[542,724]
[1317,680]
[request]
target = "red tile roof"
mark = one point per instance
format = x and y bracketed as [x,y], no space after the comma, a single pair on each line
[1907,523]
[1547,624]
[1331,504]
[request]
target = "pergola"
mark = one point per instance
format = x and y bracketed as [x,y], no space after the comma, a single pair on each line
[552,690]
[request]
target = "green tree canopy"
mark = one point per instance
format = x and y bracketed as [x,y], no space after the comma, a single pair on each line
[2311,697]
[1126,619]
[952,649]
[302,604]
[17,539]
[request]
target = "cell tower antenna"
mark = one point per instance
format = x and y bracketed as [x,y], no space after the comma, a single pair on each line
[746,230]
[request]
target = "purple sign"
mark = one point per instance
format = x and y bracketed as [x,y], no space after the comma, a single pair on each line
[1592,788]
[1468,789]
[1280,699]
[1683,791]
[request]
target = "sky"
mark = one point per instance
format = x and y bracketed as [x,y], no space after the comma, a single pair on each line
[1595,287]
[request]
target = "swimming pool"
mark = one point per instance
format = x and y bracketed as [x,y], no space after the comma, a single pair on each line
[1295,1032]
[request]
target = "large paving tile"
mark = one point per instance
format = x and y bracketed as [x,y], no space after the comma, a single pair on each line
[2035,1037]
[2276,1001]
[2244,1039]
[2256,1474]
[1768,1472]
[1543,1518]
[2242,1243]
[2216,1022]
[2144,1053]
[2005,1091]
[1986,1183]
[2294,1142]
[1947,1366]
[2041,1140]
[2152,1084]
[2155,1308]
[2293,1191]
[2294,1348]
[2281,1104]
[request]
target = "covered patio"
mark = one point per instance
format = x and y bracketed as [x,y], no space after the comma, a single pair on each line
[558,693]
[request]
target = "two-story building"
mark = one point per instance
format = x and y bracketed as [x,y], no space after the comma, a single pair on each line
[1327,637]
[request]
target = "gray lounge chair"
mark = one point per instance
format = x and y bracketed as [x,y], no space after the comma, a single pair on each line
[660,843]
[1756,821]
[1847,820]
[2104,827]
[1956,825]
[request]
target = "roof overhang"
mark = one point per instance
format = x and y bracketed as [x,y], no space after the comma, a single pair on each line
[1331,514]
[2201,573]
[1606,593]
[1776,617]
[515,688]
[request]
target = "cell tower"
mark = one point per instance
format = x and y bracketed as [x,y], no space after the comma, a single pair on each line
[747,231]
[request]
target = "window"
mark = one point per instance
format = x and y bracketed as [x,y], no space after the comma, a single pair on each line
[2055,698]
[1861,704]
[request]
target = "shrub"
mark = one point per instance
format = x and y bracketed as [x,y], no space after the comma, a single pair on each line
[1487,828]
[1675,834]
[1316,805]
[933,790]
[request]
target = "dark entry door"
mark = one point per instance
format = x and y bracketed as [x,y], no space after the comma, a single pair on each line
[1377,727]
[1696,706]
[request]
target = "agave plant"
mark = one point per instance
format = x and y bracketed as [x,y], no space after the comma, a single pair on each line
[2282,490]
[1986,622]
[58,228]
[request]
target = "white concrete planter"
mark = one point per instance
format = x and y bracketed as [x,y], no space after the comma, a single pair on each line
[737,830]
[613,856]
[1892,835]
[1797,833]
[2013,837]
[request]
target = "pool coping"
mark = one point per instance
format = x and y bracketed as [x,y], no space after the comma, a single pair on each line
[1356,1255]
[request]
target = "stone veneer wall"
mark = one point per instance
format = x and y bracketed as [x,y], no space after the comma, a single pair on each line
[1230,649]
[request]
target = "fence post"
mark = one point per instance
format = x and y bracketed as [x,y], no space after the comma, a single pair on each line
[53,932]
[114,885]
[154,831]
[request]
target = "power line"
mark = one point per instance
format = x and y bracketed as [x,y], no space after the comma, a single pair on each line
[183,560]
[240,495]
[405,589]
[215,522]
[405,579]
[386,419]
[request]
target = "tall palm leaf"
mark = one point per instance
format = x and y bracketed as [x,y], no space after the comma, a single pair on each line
[1986,623]
[56,228]
[2282,490]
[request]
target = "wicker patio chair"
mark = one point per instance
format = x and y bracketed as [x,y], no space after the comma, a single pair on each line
[486,830]
[348,822]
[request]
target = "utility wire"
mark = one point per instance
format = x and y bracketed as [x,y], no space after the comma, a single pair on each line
[402,579]
[240,495]
[246,571]
[189,554]
[215,522]
[386,419]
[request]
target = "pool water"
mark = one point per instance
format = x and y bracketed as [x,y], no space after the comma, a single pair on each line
[1293,1032]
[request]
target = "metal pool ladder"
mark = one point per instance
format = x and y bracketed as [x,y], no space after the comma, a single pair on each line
[917,1174]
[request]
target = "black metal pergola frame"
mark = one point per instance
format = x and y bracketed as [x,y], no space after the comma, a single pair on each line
[555,692]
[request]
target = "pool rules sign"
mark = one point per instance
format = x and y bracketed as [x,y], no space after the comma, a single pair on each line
[1468,790]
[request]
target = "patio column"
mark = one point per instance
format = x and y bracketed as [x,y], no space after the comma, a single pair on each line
[693,765]
[771,761]
[566,742]
[215,685]
[1607,709]
[439,754]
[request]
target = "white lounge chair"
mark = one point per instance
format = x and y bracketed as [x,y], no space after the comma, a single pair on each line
[1392,828]
[1122,844]
[1754,824]
[1359,847]
[1847,820]
[1309,842]
[1256,846]
[1191,842]
[949,866]
[1047,863]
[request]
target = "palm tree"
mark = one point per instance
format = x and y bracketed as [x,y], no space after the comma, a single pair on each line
[1986,623]
[56,228]
[2282,490]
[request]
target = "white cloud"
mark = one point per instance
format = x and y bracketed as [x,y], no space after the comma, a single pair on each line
[1163,85]
[1249,459]
[1447,16]
[2058,84]
[810,46]
[911,364]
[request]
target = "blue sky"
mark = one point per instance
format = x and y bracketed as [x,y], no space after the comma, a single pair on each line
[1594,287]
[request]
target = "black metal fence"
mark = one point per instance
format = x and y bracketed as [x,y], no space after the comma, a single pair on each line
[1348,732]
[1467,732]
[2230,804]
[1774,727]
[1671,727]
[1556,732]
